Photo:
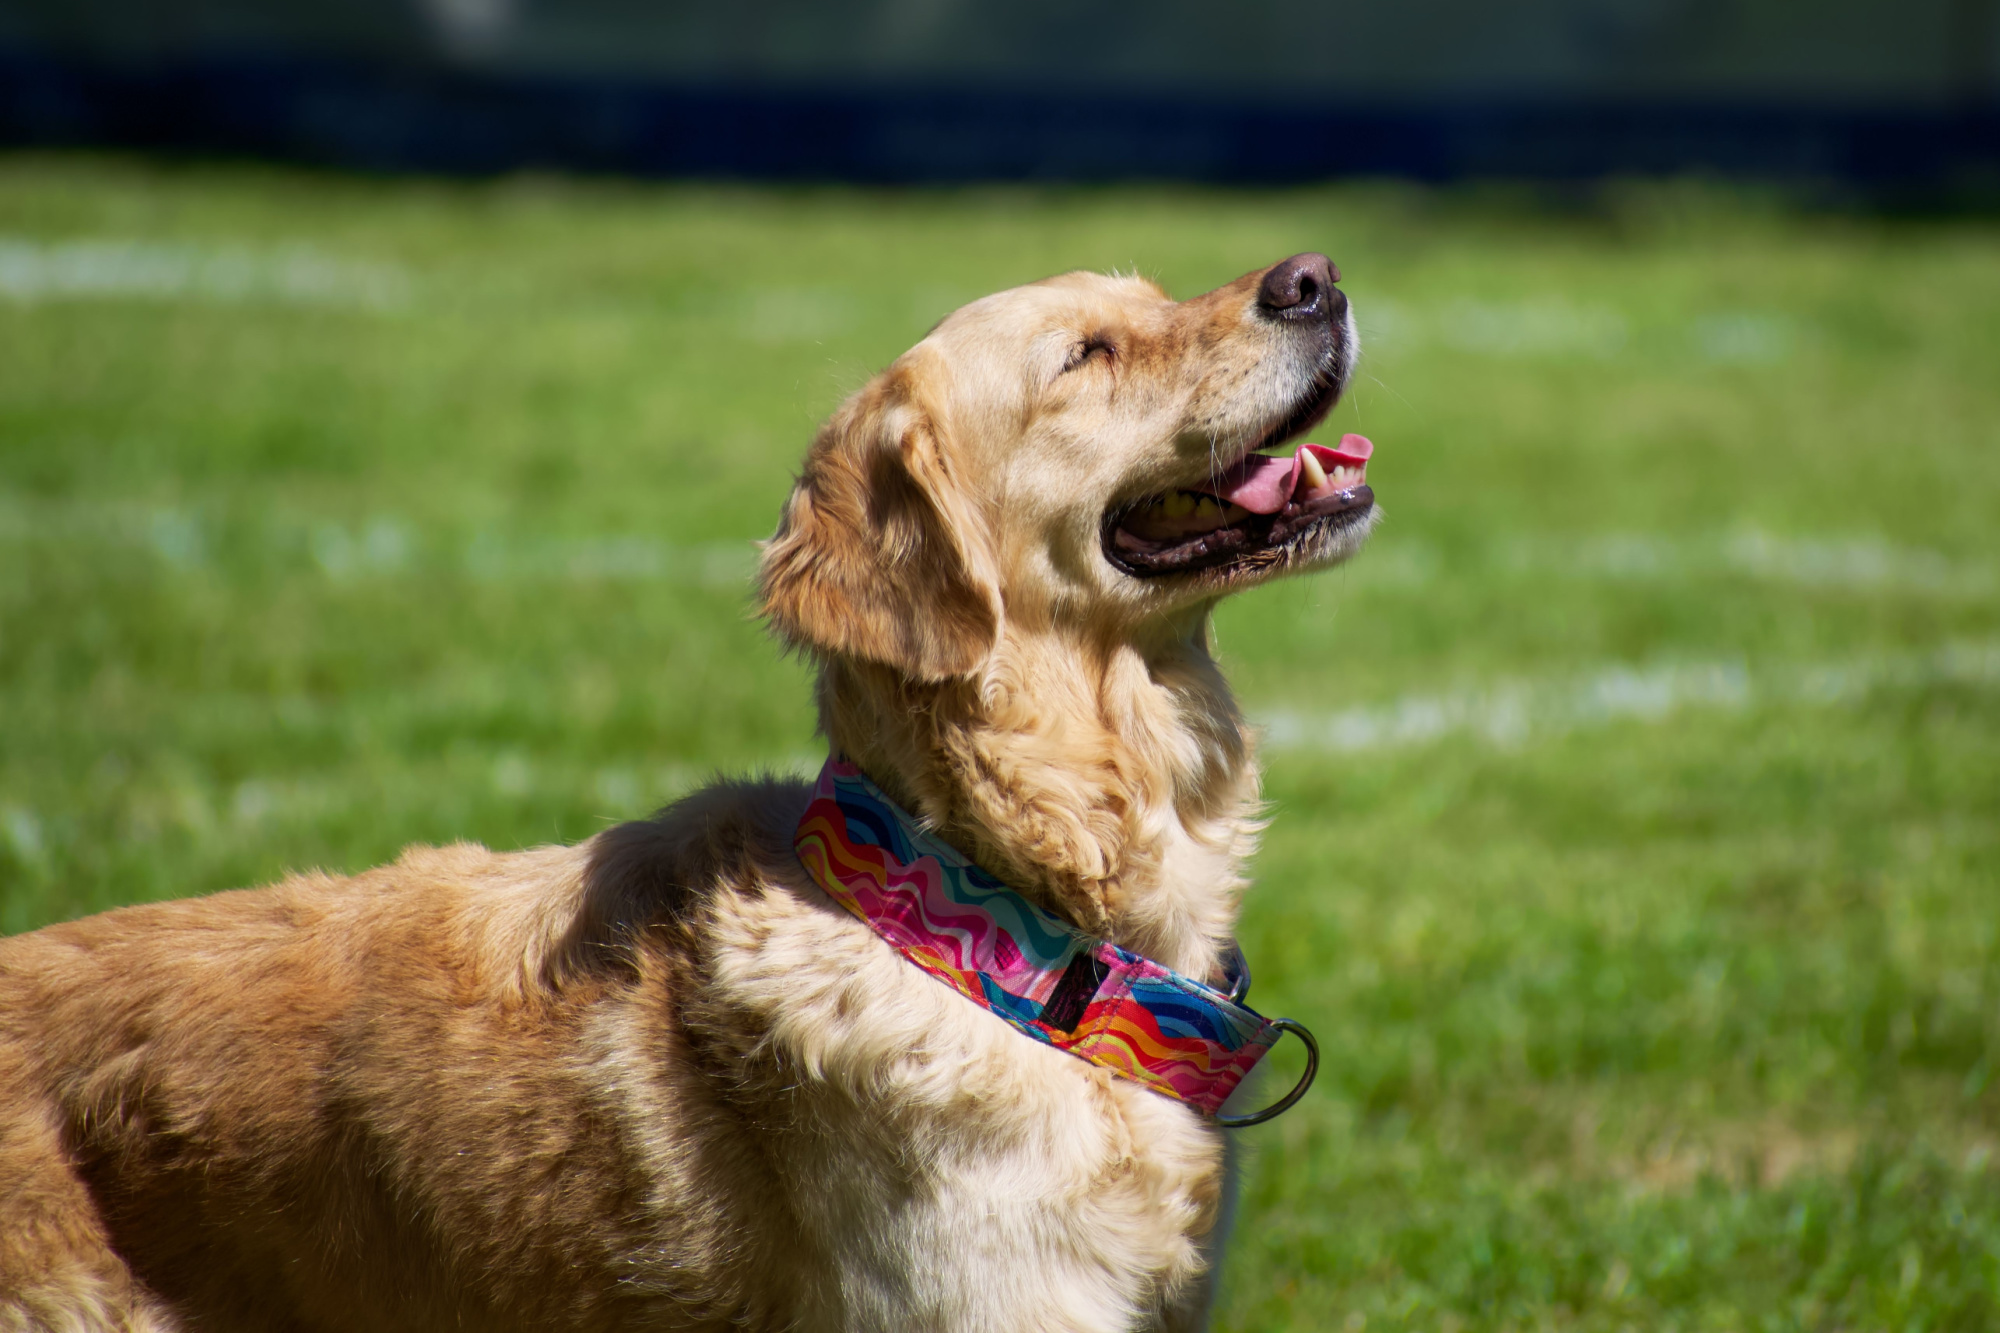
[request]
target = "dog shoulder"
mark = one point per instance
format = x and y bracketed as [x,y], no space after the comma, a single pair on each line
[660,874]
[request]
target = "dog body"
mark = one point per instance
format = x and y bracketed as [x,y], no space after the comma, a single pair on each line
[659,1080]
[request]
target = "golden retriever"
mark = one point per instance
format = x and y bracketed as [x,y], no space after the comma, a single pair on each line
[658,1080]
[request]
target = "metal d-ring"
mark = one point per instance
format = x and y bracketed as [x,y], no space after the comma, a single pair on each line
[1286,1102]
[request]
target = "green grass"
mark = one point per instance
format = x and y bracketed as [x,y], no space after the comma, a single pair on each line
[1637,842]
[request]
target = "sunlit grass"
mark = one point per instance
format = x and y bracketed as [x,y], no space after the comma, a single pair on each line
[1637,793]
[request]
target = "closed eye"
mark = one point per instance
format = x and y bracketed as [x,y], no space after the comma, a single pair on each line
[1082,353]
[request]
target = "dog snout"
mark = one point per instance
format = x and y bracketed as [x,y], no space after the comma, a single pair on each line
[1301,288]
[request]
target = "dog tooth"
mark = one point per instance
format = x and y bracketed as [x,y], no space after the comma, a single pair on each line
[1206,507]
[1179,505]
[1315,474]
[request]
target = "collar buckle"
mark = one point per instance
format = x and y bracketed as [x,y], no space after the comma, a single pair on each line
[1290,1099]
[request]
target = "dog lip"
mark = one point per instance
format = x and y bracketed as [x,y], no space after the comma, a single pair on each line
[1259,540]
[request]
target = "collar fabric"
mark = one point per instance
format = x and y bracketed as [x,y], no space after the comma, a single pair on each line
[1034,971]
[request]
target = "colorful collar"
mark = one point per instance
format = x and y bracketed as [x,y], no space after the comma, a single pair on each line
[1086,996]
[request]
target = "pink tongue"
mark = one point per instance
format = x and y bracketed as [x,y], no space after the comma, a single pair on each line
[1264,485]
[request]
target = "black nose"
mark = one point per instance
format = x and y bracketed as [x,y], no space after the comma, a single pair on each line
[1302,288]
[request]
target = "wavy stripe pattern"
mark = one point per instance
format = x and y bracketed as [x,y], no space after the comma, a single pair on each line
[952,919]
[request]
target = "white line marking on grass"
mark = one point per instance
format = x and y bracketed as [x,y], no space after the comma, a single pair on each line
[23,833]
[1802,561]
[1506,329]
[385,545]
[1744,338]
[1512,712]
[1862,564]
[381,546]
[1555,329]
[32,272]
[643,559]
[774,316]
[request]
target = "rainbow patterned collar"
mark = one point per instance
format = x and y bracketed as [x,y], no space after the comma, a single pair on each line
[1086,996]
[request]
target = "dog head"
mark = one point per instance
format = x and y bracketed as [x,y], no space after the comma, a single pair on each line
[1081,452]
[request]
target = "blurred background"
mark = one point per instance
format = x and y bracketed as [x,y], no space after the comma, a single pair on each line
[1891,92]
[391,398]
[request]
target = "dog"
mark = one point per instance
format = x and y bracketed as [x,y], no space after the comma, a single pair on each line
[661,1079]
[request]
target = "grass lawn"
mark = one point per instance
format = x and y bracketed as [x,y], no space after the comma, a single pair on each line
[1637,793]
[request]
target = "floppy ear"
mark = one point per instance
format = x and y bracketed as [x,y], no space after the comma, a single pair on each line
[875,556]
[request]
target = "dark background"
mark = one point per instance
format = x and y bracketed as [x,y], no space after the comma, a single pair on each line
[1882,93]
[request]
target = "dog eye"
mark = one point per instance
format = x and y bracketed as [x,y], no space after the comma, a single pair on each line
[1086,349]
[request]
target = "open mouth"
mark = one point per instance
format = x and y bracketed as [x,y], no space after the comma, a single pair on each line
[1255,514]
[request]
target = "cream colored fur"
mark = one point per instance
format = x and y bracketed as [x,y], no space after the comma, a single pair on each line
[658,1080]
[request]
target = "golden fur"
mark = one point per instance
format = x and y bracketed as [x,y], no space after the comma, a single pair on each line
[658,1080]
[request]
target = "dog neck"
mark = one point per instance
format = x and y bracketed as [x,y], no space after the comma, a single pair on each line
[1113,783]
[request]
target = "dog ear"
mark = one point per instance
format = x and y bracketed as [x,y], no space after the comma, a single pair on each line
[877,555]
